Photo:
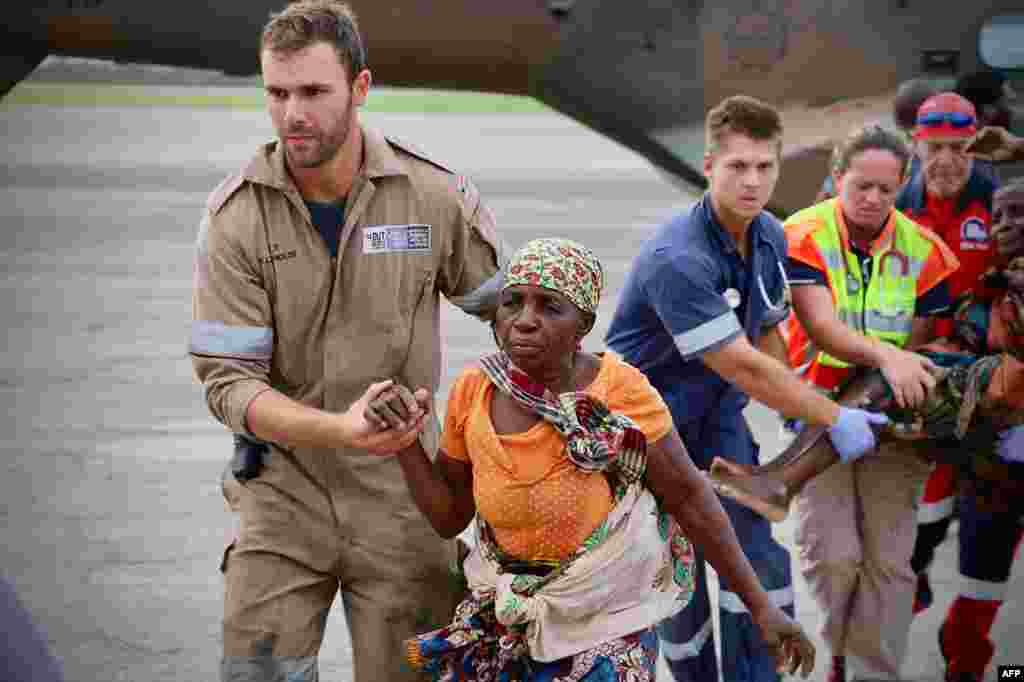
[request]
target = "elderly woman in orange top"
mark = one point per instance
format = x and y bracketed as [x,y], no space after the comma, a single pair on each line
[584,496]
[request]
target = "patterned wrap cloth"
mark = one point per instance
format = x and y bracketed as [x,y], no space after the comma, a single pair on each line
[508,629]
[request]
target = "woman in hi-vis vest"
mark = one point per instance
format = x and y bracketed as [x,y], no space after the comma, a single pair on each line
[867,282]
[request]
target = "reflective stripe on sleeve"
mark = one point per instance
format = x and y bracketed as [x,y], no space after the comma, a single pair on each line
[218,339]
[731,602]
[708,334]
[680,651]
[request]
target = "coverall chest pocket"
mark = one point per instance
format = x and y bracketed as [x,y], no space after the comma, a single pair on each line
[387,302]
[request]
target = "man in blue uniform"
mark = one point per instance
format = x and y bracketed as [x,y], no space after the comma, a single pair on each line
[699,315]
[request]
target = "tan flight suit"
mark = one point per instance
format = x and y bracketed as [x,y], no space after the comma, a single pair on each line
[272,308]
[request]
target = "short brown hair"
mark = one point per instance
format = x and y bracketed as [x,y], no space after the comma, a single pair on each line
[865,139]
[744,115]
[307,22]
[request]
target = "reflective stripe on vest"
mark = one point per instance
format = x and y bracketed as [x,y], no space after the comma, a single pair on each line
[885,308]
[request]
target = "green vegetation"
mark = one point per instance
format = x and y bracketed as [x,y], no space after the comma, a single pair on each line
[391,100]
[118,95]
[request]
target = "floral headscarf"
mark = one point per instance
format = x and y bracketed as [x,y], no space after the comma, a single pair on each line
[561,265]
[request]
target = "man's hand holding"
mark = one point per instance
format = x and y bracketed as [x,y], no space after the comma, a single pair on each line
[387,418]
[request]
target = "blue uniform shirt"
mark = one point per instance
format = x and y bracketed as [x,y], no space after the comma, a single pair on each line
[689,292]
[675,306]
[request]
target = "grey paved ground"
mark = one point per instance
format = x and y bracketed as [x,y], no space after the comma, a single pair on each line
[110,513]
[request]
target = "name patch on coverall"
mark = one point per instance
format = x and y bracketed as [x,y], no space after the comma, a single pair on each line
[393,238]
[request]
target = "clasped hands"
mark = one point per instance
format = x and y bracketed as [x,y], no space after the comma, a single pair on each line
[388,417]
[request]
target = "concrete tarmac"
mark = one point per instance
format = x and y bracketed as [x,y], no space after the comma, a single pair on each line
[111,517]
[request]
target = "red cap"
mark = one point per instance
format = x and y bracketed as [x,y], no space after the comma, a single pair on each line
[946,114]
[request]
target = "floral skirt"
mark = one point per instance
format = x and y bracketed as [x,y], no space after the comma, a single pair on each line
[475,647]
[632,658]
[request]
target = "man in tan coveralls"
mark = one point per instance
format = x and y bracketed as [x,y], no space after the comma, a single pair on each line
[318,272]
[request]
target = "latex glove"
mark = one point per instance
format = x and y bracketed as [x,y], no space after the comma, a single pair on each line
[851,435]
[1011,444]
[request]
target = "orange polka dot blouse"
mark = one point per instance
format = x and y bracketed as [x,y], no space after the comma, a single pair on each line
[539,504]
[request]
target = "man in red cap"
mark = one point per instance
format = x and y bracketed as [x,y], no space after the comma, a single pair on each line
[954,199]
[946,193]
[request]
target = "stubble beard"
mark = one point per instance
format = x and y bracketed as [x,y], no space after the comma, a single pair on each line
[325,147]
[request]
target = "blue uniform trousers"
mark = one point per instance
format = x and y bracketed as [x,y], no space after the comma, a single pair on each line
[687,638]
[988,542]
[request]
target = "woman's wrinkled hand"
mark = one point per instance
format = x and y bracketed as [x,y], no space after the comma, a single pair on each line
[993,143]
[787,642]
[395,407]
[387,418]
